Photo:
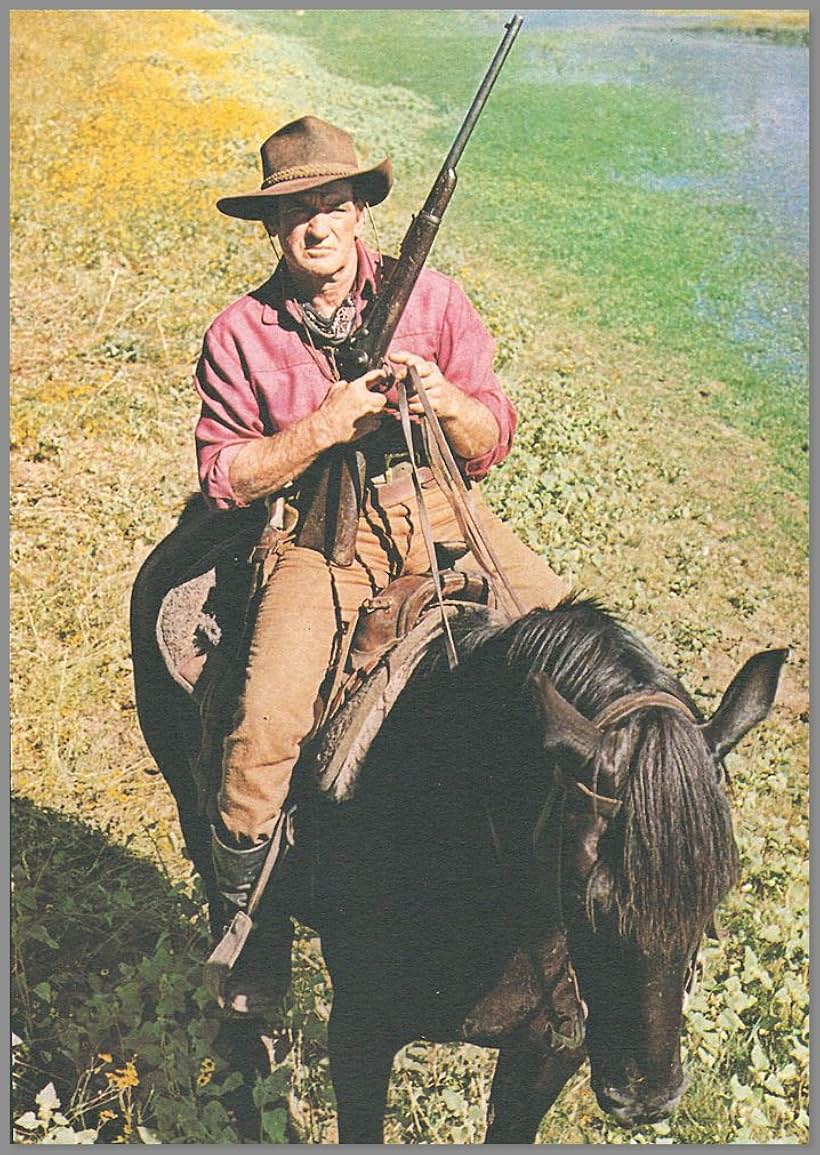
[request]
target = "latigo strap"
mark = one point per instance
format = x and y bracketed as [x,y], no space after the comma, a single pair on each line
[448,475]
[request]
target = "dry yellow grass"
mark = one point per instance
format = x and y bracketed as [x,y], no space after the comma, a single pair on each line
[748,19]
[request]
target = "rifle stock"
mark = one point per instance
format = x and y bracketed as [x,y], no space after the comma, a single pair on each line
[335,483]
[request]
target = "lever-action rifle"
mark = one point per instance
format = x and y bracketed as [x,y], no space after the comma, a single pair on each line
[333,486]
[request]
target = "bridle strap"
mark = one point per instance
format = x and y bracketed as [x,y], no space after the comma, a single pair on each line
[567,786]
[613,713]
[600,803]
[642,699]
[548,833]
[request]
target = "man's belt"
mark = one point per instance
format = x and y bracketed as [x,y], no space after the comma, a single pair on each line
[384,467]
[396,483]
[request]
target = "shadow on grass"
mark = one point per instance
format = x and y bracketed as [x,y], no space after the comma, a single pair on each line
[106,993]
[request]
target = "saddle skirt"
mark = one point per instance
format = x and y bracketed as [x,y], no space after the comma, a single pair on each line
[204,607]
[378,670]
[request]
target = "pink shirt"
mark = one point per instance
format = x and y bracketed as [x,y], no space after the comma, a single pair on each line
[256,375]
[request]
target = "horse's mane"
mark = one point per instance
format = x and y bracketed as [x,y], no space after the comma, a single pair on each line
[671,850]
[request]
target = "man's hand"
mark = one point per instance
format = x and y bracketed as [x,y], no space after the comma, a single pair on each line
[351,409]
[470,427]
[444,397]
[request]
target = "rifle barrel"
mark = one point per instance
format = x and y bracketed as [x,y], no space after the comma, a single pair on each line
[480,99]
[367,346]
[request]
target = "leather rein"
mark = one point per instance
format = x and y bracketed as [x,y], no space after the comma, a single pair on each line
[448,476]
[449,479]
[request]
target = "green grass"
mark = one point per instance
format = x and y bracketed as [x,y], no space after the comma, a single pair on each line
[622,475]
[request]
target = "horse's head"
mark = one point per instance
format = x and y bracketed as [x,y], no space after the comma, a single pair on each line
[647,854]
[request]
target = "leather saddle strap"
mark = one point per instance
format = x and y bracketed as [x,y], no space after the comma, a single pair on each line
[424,519]
[460,497]
[281,841]
[225,955]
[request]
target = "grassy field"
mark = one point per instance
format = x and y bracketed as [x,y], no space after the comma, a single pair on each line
[126,126]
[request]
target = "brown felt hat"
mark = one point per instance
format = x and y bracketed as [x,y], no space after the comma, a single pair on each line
[305,154]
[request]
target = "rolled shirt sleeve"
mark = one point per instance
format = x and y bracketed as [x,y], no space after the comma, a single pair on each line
[466,352]
[228,420]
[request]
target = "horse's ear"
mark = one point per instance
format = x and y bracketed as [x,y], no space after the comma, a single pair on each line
[746,702]
[563,726]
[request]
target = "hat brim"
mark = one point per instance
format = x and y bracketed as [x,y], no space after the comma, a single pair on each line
[371,185]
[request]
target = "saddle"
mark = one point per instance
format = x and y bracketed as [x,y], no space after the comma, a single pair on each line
[204,620]
[194,600]
[394,632]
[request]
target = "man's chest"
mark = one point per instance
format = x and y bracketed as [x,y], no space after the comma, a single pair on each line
[290,378]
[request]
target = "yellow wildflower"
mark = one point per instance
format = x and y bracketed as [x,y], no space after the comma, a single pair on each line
[206,1070]
[124,1077]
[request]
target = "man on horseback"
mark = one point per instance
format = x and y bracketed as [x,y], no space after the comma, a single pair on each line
[273,404]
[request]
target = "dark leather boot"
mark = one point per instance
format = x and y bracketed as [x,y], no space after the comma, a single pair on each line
[260,977]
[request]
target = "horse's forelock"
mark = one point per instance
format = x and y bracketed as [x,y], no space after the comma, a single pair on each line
[671,850]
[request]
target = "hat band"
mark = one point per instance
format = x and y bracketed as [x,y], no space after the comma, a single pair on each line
[304,171]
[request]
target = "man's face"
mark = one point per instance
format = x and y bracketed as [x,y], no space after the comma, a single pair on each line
[317,230]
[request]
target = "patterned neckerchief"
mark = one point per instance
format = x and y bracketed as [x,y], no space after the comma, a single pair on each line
[331,330]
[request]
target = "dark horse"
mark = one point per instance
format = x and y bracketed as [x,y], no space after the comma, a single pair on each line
[558,783]
[448,860]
